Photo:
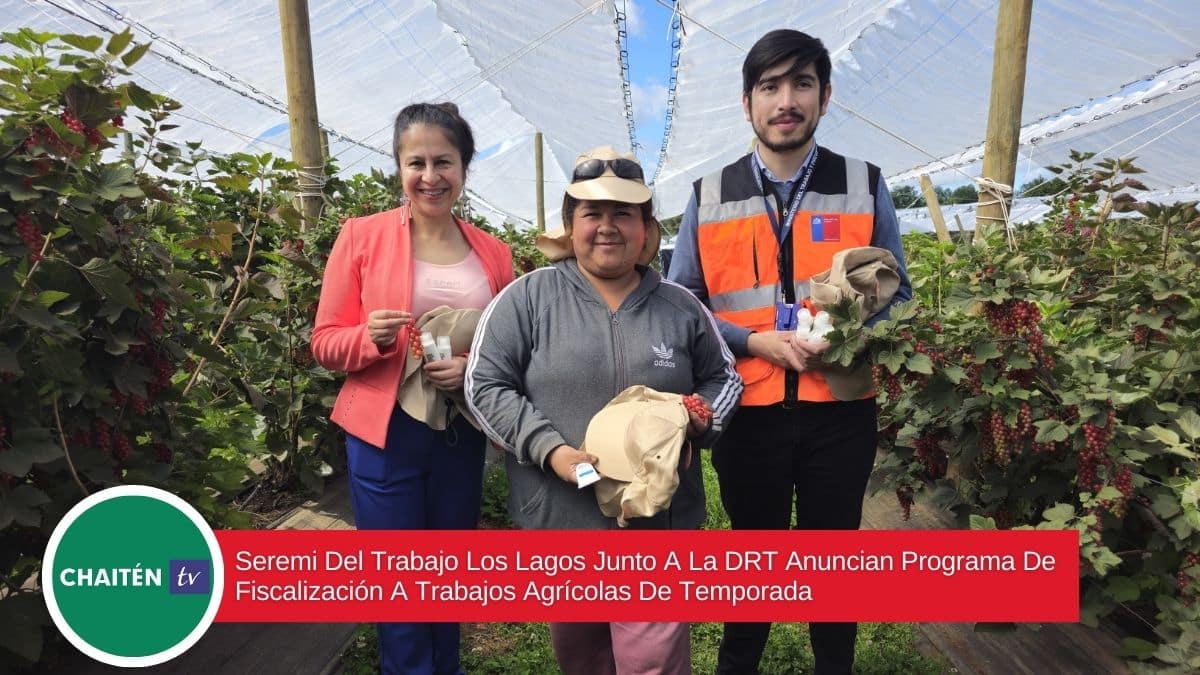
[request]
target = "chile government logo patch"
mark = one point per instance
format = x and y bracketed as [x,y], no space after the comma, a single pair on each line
[827,227]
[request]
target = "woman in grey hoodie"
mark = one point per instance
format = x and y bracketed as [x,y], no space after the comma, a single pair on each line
[556,345]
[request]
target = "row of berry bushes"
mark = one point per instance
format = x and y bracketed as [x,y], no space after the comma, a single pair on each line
[155,308]
[1048,378]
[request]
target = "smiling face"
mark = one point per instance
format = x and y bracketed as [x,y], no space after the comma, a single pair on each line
[607,238]
[431,170]
[785,105]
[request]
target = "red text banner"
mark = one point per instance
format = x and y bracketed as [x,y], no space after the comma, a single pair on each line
[923,575]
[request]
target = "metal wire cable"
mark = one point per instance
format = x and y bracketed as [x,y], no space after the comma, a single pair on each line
[672,90]
[620,22]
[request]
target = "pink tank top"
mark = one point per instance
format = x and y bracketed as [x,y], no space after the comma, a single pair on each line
[461,285]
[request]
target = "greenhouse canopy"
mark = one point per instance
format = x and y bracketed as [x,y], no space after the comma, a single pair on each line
[911,81]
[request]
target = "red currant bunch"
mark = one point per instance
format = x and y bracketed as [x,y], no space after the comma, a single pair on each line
[101,436]
[72,122]
[160,313]
[123,449]
[696,406]
[1190,560]
[31,234]
[415,346]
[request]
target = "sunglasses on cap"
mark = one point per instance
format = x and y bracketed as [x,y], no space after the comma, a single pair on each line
[622,168]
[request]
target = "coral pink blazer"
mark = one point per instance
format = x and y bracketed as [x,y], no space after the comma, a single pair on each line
[370,268]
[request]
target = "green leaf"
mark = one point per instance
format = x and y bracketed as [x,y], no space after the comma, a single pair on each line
[1180,524]
[120,41]
[954,373]
[1053,279]
[1169,654]
[893,360]
[140,97]
[48,298]
[1189,423]
[920,363]
[235,183]
[115,182]
[110,281]
[903,311]
[30,445]
[21,506]
[221,243]
[19,193]
[1191,494]
[289,215]
[986,351]
[1051,431]
[1165,505]
[1125,398]
[1138,648]
[1059,513]
[1164,436]
[134,55]
[132,378]
[23,615]
[297,259]
[213,354]
[40,317]
[1108,493]
[979,522]
[1122,589]
[88,43]
[118,342]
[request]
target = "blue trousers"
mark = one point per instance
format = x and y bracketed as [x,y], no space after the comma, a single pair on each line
[421,479]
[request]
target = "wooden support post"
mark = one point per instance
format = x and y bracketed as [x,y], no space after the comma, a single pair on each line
[1004,114]
[935,209]
[302,107]
[540,180]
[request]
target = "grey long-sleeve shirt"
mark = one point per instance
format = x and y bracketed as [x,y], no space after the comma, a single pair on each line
[549,354]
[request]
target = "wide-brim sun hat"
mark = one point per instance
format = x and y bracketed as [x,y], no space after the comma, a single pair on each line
[607,186]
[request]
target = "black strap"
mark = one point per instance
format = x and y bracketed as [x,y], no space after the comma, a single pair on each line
[784,258]
[791,379]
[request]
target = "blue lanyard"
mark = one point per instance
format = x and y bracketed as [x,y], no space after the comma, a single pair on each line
[789,214]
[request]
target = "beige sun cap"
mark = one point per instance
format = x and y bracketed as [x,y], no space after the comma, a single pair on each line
[556,244]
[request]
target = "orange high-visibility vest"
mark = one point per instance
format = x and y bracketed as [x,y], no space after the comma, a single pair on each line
[738,252]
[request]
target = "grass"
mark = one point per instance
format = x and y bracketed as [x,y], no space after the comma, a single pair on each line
[882,648]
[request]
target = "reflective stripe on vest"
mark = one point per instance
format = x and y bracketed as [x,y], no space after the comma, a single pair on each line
[738,253]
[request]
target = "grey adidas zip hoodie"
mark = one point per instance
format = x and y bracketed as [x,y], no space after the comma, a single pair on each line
[549,354]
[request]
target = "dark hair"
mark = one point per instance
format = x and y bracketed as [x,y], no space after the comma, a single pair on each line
[780,46]
[570,204]
[443,115]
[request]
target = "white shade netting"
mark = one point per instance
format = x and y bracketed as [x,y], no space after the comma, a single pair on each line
[1116,77]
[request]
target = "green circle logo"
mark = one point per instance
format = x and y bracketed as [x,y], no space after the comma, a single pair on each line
[132,576]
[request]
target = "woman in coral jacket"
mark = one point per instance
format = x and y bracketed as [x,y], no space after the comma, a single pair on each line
[384,272]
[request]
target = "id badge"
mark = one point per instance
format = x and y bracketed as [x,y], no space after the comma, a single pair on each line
[785,316]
